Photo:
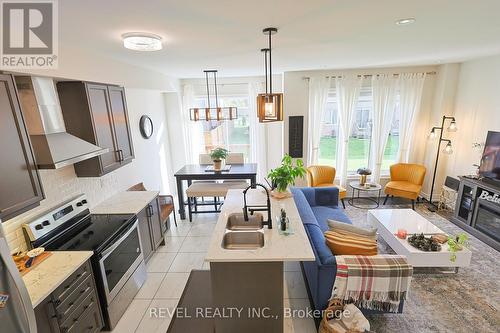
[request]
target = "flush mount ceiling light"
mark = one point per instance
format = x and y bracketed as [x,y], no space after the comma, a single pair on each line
[405,21]
[142,41]
[210,113]
[269,105]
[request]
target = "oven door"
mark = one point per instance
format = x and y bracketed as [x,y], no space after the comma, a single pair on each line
[119,261]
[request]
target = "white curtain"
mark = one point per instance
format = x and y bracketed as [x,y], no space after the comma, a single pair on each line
[318,95]
[192,130]
[384,89]
[347,89]
[258,139]
[410,96]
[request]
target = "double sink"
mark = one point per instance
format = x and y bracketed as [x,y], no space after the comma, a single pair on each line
[243,235]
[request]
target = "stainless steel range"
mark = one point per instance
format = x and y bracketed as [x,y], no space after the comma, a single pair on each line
[117,262]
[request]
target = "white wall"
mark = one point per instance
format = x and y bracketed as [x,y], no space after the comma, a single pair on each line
[145,92]
[477,110]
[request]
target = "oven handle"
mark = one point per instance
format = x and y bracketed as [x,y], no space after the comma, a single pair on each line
[107,252]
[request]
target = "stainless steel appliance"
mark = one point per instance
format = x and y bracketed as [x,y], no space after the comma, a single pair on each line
[16,311]
[118,262]
[53,146]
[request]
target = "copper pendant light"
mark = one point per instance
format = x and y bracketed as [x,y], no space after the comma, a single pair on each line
[213,113]
[269,104]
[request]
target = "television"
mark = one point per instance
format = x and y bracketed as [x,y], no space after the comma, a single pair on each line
[490,162]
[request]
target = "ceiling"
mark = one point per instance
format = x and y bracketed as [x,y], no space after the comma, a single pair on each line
[315,34]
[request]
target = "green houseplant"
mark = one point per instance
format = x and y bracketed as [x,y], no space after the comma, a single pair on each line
[217,155]
[457,243]
[285,175]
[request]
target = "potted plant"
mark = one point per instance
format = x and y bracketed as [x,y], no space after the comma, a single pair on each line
[217,155]
[456,244]
[363,173]
[285,175]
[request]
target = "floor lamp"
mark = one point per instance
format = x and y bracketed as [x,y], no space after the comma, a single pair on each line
[447,150]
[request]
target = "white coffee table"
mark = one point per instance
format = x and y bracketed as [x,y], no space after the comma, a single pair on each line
[388,221]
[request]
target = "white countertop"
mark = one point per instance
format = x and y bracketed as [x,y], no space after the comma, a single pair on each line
[277,247]
[129,202]
[44,278]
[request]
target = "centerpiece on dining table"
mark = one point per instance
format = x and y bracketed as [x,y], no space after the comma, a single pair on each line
[284,176]
[218,155]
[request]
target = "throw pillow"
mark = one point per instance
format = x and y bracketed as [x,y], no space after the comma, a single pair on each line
[342,227]
[342,244]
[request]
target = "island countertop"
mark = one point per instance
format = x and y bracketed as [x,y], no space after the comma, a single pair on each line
[277,247]
[127,202]
[44,278]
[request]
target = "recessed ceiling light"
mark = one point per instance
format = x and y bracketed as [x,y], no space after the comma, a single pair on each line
[405,21]
[142,41]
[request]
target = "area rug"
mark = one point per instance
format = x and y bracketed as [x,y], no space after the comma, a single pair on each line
[467,301]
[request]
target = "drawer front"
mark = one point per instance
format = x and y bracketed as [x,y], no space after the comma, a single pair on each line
[89,302]
[71,302]
[67,287]
[89,322]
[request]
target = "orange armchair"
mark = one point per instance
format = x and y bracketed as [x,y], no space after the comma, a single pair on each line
[323,176]
[406,181]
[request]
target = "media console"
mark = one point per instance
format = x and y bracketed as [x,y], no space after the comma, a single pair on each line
[478,210]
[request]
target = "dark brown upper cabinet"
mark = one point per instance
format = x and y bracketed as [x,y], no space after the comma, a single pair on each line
[20,185]
[97,113]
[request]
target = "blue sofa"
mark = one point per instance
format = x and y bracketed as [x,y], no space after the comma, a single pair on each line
[315,206]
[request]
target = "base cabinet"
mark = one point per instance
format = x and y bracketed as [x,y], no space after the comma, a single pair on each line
[152,231]
[73,307]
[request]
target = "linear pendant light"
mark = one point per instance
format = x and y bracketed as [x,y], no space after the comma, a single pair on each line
[213,113]
[269,104]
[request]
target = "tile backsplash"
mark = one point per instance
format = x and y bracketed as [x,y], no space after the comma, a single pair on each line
[58,186]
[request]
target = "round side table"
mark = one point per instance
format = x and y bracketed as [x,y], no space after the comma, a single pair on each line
[357,187]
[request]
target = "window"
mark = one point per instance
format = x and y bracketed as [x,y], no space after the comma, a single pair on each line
[233,135]
[360,139]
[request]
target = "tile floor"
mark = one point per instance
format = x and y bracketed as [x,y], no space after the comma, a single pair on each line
[168,271]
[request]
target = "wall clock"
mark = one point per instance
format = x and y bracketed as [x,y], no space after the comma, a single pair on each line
[146,127]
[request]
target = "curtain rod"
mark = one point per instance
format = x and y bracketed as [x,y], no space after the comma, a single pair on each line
[370,75]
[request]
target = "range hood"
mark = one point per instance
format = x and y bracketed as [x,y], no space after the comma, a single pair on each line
[53,147]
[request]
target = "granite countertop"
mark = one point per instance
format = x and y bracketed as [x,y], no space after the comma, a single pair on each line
[129,202]
[277,247]
[44,278]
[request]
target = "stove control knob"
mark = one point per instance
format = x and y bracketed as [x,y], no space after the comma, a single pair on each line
[38,227]
[46,222]
[79,204]
[84,201]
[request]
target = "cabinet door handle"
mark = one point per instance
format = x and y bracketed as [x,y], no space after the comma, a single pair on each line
[150,211]
[120,155]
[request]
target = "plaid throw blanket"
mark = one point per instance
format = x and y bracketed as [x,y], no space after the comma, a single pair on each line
[373,282]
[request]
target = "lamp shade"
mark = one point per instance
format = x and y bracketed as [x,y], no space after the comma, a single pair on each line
[453,126]
[270,107]
[448,149]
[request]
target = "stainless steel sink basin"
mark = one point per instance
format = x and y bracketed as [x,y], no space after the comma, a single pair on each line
[237,222]
[243,240]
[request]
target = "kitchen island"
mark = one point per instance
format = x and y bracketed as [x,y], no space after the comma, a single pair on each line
[247,283]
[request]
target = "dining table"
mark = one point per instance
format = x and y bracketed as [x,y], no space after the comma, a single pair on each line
[192,172]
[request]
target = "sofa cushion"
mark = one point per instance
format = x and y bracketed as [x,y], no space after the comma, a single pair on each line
[342,244]
[344,228]
[323,214]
